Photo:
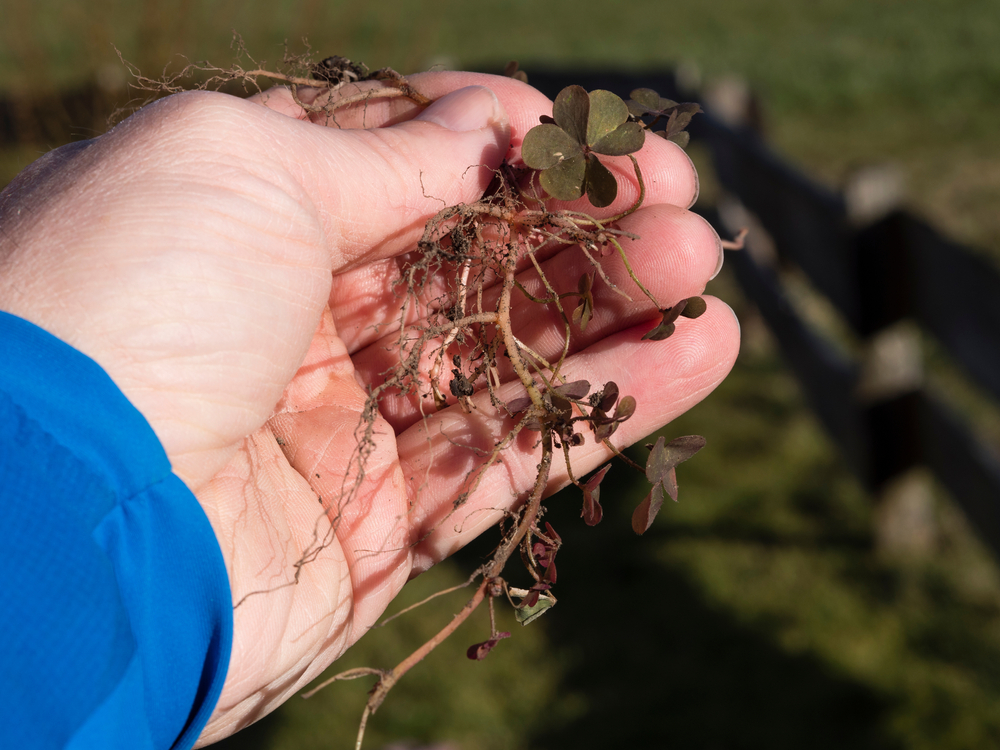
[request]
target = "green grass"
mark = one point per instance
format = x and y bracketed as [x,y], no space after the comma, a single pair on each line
[783,544]
[844,82]
[757,611]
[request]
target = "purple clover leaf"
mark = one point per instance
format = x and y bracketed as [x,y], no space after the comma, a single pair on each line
[661,472]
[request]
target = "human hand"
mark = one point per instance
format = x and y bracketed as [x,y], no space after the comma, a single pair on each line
[231,265]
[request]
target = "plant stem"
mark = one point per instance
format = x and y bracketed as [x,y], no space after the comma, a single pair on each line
[523,531]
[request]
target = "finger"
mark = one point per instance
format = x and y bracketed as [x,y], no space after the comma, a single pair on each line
[522,102]
[440,455]
[364,301]
[374,190]
[669,174]
[676,254]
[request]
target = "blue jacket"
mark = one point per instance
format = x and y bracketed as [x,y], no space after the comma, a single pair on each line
[115,610]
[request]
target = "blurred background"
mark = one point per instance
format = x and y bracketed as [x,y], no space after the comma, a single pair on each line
[784,602]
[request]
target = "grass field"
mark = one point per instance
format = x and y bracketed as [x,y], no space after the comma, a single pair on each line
[844,82]
[758,612]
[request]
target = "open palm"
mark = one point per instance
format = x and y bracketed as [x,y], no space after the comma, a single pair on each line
[232,265]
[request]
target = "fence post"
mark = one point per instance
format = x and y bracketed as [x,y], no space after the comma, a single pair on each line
[890,383]
[892,372]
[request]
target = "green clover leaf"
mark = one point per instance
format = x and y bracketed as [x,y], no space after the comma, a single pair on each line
[563,147]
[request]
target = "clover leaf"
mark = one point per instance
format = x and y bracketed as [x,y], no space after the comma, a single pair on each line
[563,147]
[513,71]
[604,426]
[592,511]
[645,102]
[585,309]
[478,651]
[661,473]
[692,307]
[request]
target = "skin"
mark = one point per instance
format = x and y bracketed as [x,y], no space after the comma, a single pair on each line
[230,264]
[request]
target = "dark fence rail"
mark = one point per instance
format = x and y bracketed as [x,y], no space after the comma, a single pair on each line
[895,269]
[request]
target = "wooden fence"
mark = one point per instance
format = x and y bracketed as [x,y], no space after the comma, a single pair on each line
[876,276]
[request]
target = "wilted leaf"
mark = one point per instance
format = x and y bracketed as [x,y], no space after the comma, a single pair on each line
[625,409]
[645,513]
[592,511]
[478,651]
[681,449]
[561,405]
[682,139]
[518,404]
[552,534]
[575,389]
[646,102]
[680,117]
[585,309]
[526,615]
[545,556]
[512,71]
[666,326]
[657,462]
[664,458]
[603,425]
[609,396]
[550,572]
[691,307]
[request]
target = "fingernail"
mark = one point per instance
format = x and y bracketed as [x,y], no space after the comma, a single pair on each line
[471,108]
[732,312]
[718,265]
[718,248]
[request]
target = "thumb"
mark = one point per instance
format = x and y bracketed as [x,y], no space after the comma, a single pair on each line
[376,189]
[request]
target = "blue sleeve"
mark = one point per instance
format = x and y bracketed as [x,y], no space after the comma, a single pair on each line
[116,614]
